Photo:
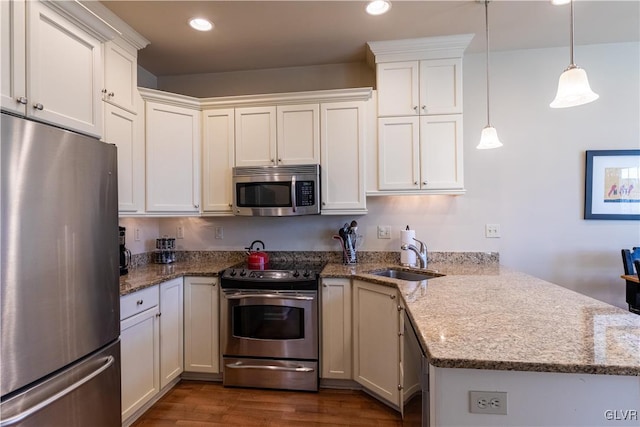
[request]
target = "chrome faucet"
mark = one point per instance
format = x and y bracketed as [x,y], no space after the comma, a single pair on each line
[421,254]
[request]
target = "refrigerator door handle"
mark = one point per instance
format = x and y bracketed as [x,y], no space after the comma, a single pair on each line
[24,414]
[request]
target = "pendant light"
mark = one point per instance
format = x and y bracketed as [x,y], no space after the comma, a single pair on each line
[489,135]
[573,86]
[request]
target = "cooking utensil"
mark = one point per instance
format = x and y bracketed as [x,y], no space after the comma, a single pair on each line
[256,258]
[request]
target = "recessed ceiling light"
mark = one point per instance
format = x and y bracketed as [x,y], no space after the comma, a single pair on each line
[200,24]
[378,7]
[560,2]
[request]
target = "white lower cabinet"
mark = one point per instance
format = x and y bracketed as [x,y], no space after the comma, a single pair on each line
[171,331]
[201,327]
[151,335]
[140,349]
[336,354]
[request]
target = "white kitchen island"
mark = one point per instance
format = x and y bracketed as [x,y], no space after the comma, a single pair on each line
[563,358]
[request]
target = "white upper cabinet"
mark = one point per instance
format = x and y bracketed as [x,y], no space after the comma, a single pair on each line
[256,136]
[342,158]
[420,145]
[172,153]
[120,76]
[298,129]
[218,139]
[277,135]
[56,76]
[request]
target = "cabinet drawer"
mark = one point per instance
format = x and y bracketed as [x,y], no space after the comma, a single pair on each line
[138,302]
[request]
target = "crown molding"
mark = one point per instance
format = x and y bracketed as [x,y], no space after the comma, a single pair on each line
[419,48]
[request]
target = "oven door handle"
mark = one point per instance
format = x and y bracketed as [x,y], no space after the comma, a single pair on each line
[239,365]
[274,296]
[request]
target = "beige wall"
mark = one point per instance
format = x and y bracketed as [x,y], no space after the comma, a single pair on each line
[294,79]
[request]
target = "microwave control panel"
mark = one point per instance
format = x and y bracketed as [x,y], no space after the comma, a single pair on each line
[305,193]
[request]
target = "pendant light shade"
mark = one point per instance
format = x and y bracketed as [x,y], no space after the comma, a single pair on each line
[489,136]
[573,85]
[489,139]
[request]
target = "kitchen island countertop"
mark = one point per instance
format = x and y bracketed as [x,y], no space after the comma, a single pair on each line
[483,316]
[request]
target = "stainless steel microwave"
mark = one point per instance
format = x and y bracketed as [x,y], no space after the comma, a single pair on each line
[276,190]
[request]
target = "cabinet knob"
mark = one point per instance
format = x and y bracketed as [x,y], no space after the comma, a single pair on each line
[400,308]
[159,314]
[196,206]
[424,108]
[279,160]
[139,302]
[399,386]
[104,91]
[325,286]
[38,106]
[22,100]
[392,296]
[324,203]
[111,94]
[230,205]
[424,182]
[273,160]
[415,182]
[415,108]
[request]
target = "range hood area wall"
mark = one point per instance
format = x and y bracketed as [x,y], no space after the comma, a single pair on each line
[533,186]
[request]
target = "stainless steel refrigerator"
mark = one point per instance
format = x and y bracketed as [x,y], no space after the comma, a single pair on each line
[60,303]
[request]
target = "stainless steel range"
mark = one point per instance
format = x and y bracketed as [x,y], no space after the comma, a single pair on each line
[270,326]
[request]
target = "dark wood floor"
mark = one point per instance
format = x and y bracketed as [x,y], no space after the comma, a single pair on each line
[196,403]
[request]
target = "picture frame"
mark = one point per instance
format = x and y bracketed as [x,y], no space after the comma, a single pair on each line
[612,185]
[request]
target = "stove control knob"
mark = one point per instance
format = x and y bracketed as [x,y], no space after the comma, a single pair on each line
[306,273]
[296,273]
[243,272]
[233,272]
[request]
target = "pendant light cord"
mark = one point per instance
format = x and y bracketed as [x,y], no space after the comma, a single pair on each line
[486,22]
[573,64]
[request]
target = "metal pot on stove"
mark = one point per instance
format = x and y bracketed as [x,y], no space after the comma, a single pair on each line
[256,259]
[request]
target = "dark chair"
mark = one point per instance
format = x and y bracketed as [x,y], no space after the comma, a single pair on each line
[631,263]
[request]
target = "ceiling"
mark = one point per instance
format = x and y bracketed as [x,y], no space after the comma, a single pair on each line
[251,35]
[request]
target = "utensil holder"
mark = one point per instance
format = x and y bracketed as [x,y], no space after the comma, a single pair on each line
[165,252]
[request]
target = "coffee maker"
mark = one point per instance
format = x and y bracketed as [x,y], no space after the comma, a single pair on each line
[125,254]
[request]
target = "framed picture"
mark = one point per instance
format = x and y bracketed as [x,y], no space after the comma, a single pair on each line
[612,184]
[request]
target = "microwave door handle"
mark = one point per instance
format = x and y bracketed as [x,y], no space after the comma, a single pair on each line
[293,193]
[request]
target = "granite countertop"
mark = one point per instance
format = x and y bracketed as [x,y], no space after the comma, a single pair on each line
[482,316]
[491,317]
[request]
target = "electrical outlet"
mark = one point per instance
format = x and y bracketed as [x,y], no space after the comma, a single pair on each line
[384,232]
[136,234]
[219,232]
[180,232]
[492,231]
[488,402]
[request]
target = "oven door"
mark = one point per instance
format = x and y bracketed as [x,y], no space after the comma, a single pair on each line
[270,324]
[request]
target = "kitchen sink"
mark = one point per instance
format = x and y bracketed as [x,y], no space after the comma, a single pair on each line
[412,276]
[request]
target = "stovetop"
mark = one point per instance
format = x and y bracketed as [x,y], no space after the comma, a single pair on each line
[275,275]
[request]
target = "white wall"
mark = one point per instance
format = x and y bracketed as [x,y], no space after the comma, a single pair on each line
[533,186]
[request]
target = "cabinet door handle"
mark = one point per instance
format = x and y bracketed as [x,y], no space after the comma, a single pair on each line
[139,302]
[38,106]
[22,100]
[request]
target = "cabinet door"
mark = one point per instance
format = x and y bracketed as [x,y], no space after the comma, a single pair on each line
[298,134]
[13,61]
[139,346]
[171,331]
[256,136]
[173,158]
[398,92]
[218,139]
[336,329]
[441,152]
[201,325]
[64,74]
[441,86]
[376,340]
[411,361]
[120,77]
[399,153]
[122,128]
[342,157]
